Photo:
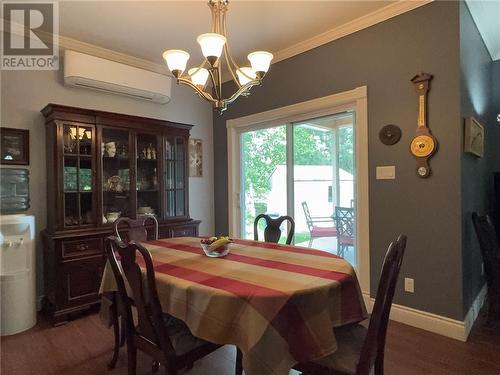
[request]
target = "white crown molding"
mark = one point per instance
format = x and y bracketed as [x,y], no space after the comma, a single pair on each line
[455,329]
[90,49]
[65,42]
[370,19]
[363,22]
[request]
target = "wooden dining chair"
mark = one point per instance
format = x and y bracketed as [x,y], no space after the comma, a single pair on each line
[272,232]
[359,348]
[490,249]
[167,340]
[344,218]
[321,230]
[132,230]
[135,229]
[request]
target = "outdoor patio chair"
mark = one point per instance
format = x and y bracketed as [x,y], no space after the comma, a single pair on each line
[344,217]
[315,230]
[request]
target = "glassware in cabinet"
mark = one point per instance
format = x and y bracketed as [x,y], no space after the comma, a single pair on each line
[78,181]
[116,169]
[148,169]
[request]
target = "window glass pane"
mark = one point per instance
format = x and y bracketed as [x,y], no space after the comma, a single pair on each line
[324,184]
[263,177]
[179,203]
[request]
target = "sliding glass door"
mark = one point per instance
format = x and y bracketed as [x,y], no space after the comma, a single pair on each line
[306,170]
[263,177]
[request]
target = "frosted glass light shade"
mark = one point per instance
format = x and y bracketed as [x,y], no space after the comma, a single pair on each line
[211,44]
[260,61]
[176,60]
[242,78]
[198,76]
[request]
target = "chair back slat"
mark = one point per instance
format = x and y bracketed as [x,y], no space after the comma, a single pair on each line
[344,220]
[307,214]
[490,250]
[142,285]
[272,232]
[374,344]
[136,229]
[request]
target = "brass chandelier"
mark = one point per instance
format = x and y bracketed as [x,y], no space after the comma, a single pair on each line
[212,45]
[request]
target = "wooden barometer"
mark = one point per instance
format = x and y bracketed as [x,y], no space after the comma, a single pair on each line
[423,144]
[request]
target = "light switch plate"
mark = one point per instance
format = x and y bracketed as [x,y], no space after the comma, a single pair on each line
[409,285]
[386,172]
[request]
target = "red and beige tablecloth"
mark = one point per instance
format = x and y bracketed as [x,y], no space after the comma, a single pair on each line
[277,303]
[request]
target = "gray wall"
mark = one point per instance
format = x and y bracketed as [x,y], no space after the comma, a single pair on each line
[25,93]
[477,101]
[385,57]
[495,138]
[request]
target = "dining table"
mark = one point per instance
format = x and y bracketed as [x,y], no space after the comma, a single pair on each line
[279,304]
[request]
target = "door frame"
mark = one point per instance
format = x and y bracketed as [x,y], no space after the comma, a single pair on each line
[353,100]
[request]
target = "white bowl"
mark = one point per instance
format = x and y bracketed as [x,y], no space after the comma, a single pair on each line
[219,252]
[112,216]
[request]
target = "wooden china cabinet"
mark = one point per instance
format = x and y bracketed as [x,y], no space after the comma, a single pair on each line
[100,166]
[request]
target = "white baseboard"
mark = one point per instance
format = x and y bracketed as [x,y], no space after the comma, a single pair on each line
[441,325]
[474,310]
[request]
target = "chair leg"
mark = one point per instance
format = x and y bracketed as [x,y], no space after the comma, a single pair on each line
[116,332]
[310,241]
[379,364]
[155,367]
[170,371]
[132,356]
[123,331]
[238,370]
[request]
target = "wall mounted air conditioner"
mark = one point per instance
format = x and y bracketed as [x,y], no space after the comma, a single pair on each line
[92,72]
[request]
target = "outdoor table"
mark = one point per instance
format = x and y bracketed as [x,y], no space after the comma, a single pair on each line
[277,303]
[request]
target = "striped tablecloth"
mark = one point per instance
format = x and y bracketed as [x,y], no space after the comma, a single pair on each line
[277,303]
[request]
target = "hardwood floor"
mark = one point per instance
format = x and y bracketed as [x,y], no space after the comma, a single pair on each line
[84,346]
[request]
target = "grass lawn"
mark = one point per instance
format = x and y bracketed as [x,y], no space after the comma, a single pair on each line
[298,237]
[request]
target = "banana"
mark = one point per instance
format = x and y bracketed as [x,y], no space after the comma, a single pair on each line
[220,242]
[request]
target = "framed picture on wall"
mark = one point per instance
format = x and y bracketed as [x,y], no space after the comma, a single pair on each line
[474,137]
[14,146]
[195,158]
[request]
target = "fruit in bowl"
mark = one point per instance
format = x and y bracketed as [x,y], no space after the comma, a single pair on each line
[215,247]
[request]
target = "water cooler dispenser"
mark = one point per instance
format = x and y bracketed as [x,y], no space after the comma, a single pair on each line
[17,273]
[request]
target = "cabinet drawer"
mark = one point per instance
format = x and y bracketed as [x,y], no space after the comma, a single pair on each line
[82,247]
[184,231]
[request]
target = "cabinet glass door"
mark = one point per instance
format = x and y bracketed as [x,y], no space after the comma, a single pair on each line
[78,183]
[147,185]
[175,176]
[116,164]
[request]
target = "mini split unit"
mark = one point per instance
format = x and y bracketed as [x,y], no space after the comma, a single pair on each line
[92,72]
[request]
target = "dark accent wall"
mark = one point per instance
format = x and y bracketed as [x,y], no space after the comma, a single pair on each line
[476,70]
[385,57]
[495,132]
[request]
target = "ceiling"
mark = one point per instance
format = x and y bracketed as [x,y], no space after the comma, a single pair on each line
[486,15]
[145,29]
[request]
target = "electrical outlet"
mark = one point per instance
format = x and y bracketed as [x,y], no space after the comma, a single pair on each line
[409,285]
